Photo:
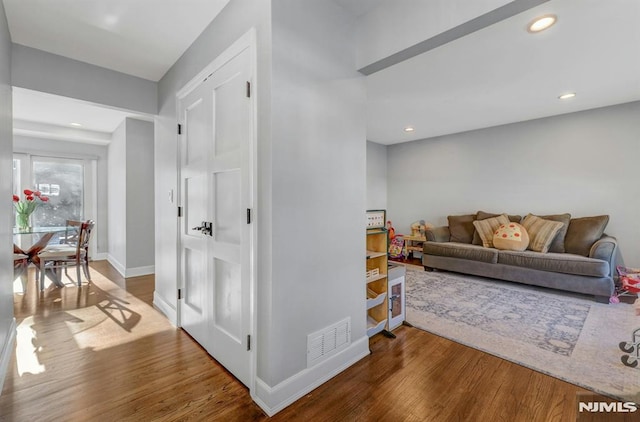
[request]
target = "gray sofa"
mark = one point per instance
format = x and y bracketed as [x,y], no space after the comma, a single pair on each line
[591,274]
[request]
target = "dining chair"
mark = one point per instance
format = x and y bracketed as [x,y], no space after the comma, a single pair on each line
[74,252]
[20,265]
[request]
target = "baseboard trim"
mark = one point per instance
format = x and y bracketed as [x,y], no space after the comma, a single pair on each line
[274,399]
[130,272]
[138,271]
[99,256]
[166,308]
[116,264]
[7,350]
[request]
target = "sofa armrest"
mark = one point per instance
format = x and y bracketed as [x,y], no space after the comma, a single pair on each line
[438,234]
[606,249]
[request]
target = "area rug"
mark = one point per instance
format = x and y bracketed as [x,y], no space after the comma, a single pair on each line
[567,336]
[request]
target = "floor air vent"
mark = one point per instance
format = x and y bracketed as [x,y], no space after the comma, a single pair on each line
[328,341]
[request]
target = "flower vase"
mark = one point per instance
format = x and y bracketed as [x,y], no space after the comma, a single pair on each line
[22,221]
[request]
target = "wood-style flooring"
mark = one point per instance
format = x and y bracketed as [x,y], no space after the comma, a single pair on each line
[103,353]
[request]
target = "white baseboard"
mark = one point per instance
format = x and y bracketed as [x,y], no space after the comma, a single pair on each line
[116,264]
[6,351]
[166,308]
[138,271]
[274,399]
[130,272]
[99,256]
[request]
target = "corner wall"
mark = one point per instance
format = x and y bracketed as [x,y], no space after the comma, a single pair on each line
[7,322]
[376,176]
[130,198]
[583,163]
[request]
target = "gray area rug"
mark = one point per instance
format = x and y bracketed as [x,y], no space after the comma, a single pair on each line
[567,336]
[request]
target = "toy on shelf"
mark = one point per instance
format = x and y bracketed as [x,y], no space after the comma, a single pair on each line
[419,228]
[391,230]
[396,248]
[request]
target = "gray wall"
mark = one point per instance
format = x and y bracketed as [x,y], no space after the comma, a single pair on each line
[319,180]
[583,163]
[130,198]
[46,72]
[6,153]
[56,148]
[139,194]
[311,180]
[376,176]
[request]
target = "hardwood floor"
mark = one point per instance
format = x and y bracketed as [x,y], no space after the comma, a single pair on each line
[103,353]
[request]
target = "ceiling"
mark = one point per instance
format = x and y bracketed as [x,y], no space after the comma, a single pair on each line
[503,74]
[498,75]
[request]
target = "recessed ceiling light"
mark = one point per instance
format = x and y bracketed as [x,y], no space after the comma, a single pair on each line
[74,124]
[567,96]
[409,129]
[541,23]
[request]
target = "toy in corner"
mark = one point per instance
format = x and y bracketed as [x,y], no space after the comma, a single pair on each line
[391,230]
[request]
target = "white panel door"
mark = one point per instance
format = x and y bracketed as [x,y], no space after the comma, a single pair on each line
[216,194]
[230,199]
[195,112]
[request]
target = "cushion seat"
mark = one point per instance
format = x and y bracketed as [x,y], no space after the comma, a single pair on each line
[556,262]
[461,250]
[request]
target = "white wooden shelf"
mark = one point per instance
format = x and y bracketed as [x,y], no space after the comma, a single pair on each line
[376,278]
[374,254]
[375,299]
[374,327]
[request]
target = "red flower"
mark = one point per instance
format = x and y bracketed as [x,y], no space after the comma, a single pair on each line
[16,198]
[28,192]
[44,198]
[30,198]
[37,193]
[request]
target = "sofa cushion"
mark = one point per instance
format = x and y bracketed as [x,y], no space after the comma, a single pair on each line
[583,233]
[481,215]
[487,227]
[555,262]
[461,250]
[541,232]
[511,237]
[558,242]
[461,227]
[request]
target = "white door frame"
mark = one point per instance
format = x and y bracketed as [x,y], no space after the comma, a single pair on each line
[247,41]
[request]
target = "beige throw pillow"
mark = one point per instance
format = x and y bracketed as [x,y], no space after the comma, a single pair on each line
[541,232]
[487,227]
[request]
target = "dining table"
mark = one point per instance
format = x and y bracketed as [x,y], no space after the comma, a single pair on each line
[42,236]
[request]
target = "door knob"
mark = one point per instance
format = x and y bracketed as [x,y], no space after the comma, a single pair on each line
[202,226]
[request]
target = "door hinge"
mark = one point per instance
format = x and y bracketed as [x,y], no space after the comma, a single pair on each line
[179,211]
[248,215]
[248,89]
[179,129]
[248,342]
[179,294]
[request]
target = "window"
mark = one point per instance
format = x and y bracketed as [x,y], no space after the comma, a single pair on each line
[68,182]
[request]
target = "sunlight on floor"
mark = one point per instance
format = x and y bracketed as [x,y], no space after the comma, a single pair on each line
[27,349]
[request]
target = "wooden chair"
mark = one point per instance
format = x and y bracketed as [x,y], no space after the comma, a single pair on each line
[74,252]
[20,265]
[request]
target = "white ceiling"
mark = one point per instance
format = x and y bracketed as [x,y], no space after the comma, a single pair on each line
[138,37]
[503,74]
[498,75]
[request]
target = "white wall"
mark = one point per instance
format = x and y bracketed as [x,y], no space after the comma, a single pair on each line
[583,163]
[46,72]
[57,148]
[376,176]
[7,322]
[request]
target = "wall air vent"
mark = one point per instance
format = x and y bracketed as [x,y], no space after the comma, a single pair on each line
[328,341]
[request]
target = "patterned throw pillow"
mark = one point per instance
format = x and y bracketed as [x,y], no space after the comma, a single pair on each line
[485,228]
[541,232]
[511,237]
